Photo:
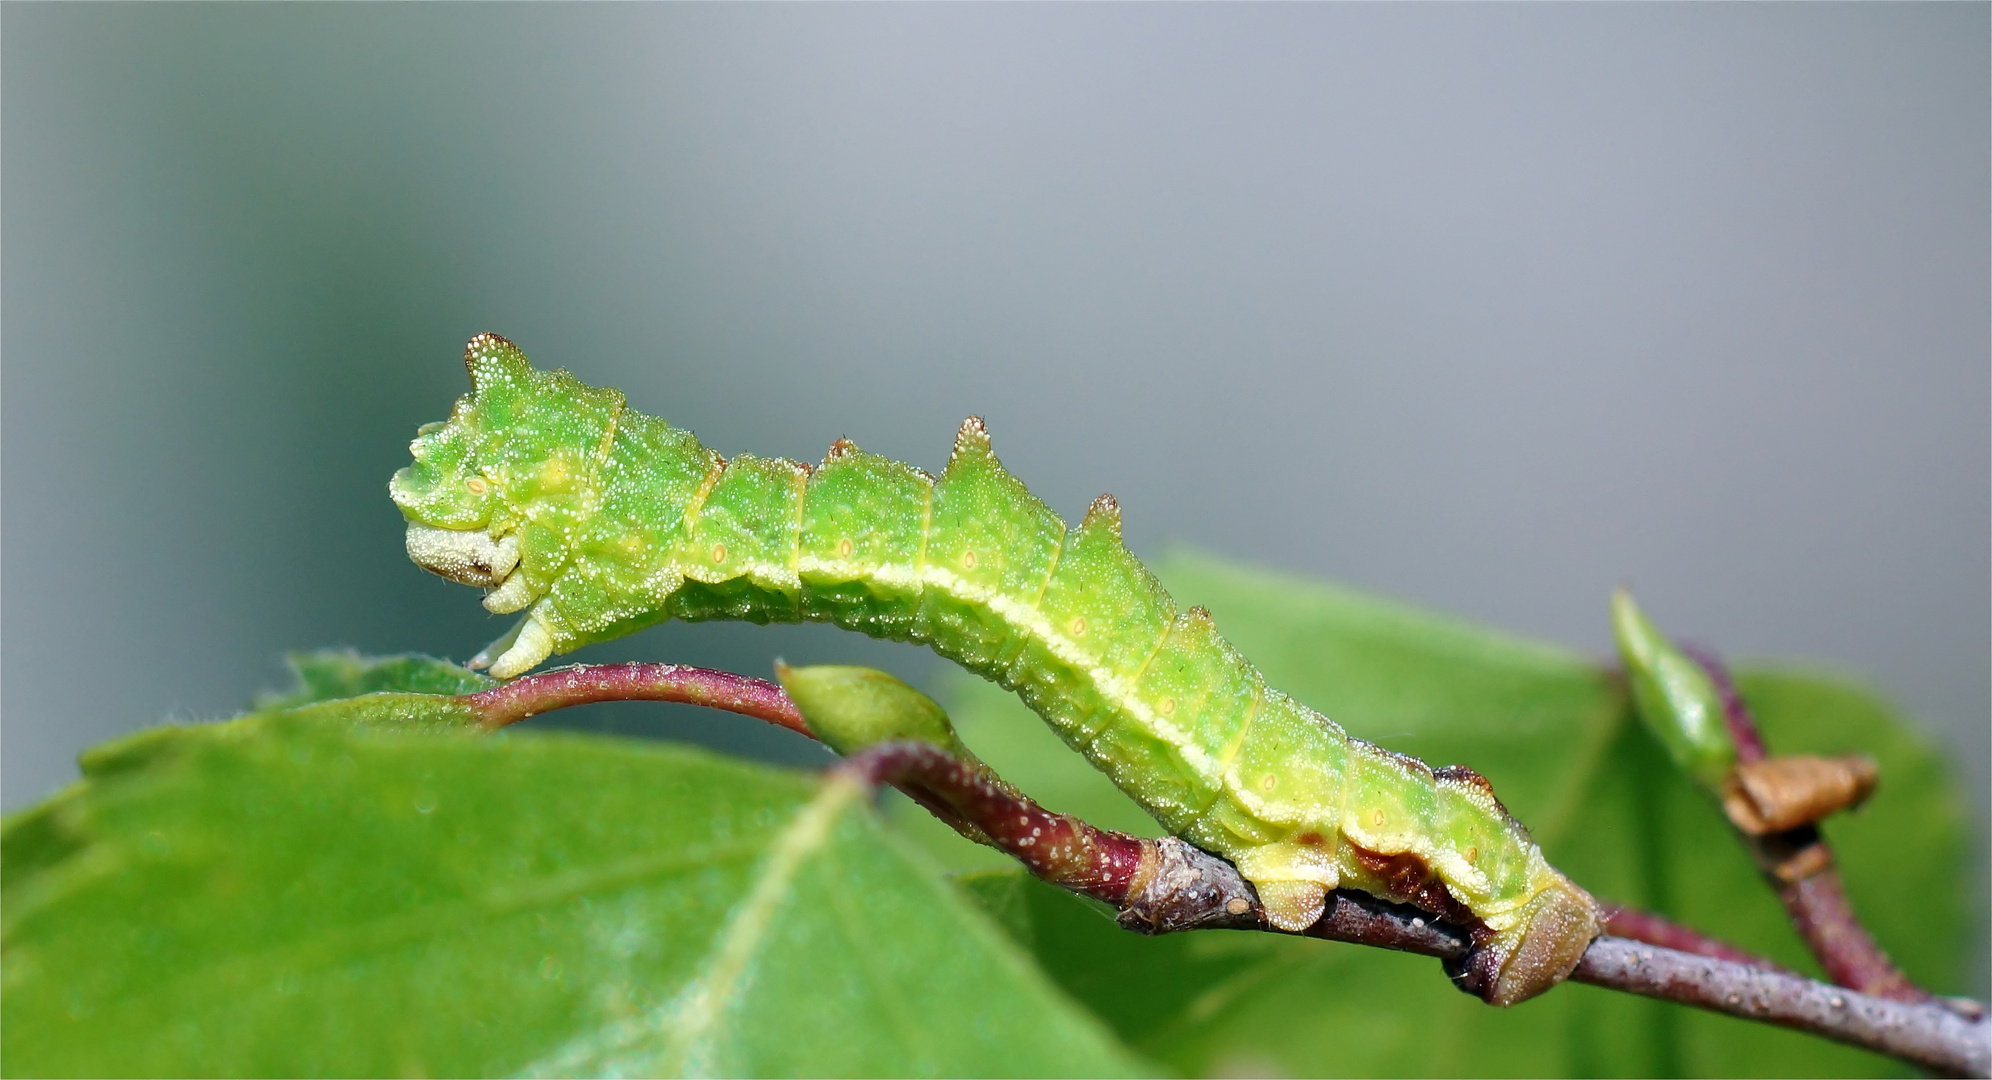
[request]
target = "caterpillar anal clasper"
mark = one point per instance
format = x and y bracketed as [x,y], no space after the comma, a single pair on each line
[596,520]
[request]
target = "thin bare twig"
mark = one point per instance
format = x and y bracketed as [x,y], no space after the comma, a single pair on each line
[583,684]
[1099,863]
[1798,865]
[1644,926]
[1166,885]
[1927,1034]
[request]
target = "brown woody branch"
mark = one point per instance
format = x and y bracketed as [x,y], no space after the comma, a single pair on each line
[1165,885]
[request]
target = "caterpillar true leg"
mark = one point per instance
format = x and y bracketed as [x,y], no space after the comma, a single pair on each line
[517,651]
[497,648]
[513,593]
[598,520]
[525,647]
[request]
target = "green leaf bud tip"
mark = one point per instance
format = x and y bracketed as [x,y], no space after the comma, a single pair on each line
[1674,696]
[850,708]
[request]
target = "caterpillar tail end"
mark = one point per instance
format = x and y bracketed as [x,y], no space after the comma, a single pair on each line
[517,652]
[1539,949]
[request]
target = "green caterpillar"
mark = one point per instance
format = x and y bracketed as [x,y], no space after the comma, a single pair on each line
[596,520]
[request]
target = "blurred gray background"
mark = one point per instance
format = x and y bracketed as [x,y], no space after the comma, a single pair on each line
[1486,307]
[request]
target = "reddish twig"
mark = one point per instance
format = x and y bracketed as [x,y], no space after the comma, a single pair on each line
[1650,929]
[1735,714]
[1798,864]
[584,684]
[1157,885]
[1056,847]
[1166,885]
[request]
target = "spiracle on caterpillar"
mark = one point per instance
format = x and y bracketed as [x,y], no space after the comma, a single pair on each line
[595,520]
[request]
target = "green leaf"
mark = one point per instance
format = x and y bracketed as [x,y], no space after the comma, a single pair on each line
[343,673]
[1554,734]
[294,893]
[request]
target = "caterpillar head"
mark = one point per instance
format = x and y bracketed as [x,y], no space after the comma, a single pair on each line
[496,490]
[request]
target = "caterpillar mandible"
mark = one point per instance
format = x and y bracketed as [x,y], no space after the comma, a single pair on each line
[596,520]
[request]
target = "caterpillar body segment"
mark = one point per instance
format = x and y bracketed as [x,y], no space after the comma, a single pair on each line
[596,520]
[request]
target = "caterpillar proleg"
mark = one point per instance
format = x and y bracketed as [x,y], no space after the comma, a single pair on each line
[596,520]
